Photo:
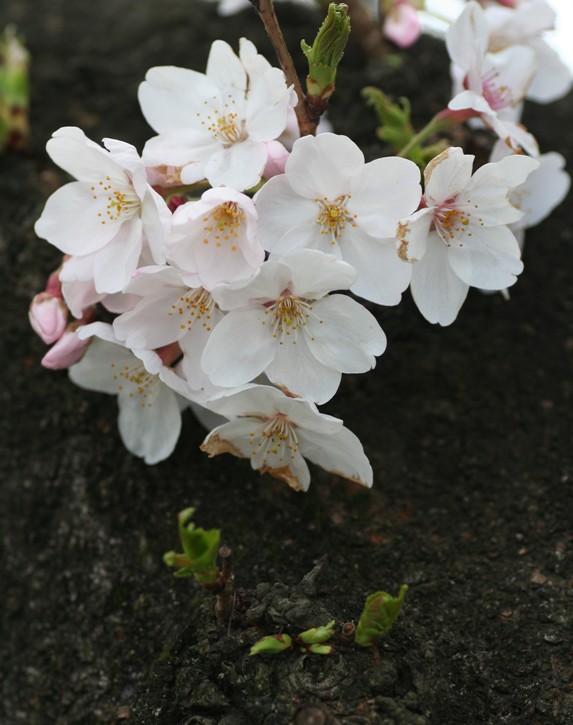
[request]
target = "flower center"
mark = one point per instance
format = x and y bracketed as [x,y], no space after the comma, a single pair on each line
[118,202]
[274,442]
[496,95]
[451,223]
[134,380]
[194,306]
[333,216]
[226,127]
[223,224]
[290,313]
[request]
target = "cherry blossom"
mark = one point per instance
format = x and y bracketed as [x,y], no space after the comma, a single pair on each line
[216,125]
[495,83]
[523,23]
[461,238]
[401,22]
[110,215]
[329,199]
[48,317]
[168,310]
[276,433]
[149,412]
[214,240]
[285,323]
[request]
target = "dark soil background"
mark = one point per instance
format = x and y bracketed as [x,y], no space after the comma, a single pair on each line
[469,430]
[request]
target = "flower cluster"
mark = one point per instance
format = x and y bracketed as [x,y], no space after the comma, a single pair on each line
[228,257]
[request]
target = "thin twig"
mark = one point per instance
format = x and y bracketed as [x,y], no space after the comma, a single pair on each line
[266,11]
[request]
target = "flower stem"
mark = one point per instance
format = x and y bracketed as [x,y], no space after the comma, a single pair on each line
[442,121]
[266,11]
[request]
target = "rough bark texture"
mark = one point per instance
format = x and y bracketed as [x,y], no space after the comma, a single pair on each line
[468,429]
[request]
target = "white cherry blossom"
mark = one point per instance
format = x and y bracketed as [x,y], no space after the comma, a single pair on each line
[329,199]
[461,238]
[495,83]
[110,216]
[525,24]
[216,125]
[149,412]
[276,433]
[214,240]
[168,310]
[283,322]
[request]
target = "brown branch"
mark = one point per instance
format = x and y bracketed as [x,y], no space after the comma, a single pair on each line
[266,11]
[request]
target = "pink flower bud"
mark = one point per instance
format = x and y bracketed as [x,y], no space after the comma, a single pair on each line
[402,25]
[54,285]
[67,350]
[276,159]
[48,317]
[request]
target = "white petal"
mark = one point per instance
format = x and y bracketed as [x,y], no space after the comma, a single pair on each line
[382,275]
[239,166]
[553,78]
[314,274]
[413,235]
[97,368]
[324,165]
[466,39]
[437,290]
[296,369]
[83,159]
[71,223]
[345,336]
[224,68]
[117,261]
[492,261]
[386,190]
[239,348]
[340,453]
[267,106]
[270,280]
[447,175]
[150,427]
[171,97]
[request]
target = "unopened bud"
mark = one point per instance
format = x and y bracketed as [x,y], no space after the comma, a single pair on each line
[48,316]
[327,50]
[67,351]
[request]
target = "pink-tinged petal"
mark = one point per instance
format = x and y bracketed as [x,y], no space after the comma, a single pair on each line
[412,234]
[382,275]
[67,351]
[343,335]
[240,347]
[150,426]
[72,151]
[324,166]
[402,25]
[48,317]
[314,274]
[340,453]
[446,175]
[117,261]
[386,190]
[277,156]
[171,97]
[491,262]
[75,222]
[296,369]
[239,166]
[437,290]
[224,68]
[267,105]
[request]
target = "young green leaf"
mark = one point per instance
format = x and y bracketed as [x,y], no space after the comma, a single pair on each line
[379,614]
